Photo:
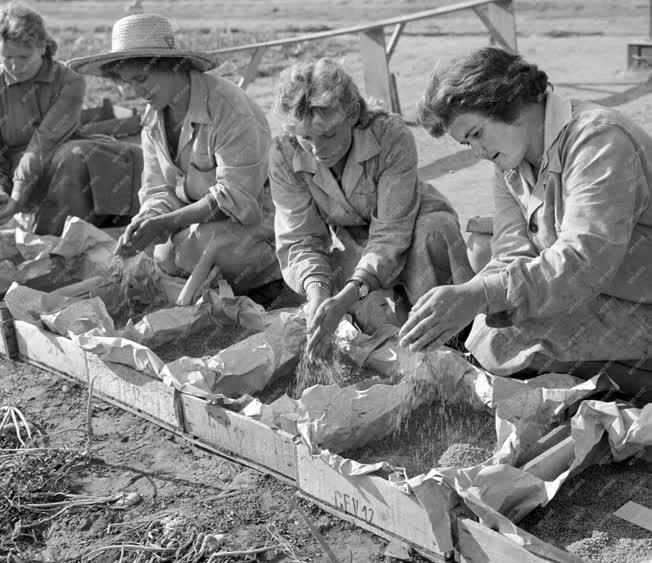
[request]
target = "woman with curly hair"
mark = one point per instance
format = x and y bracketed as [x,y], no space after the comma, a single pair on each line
[569,285]
[44,166]
[352,215]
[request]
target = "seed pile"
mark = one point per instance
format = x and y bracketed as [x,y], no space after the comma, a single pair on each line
[205,343]
[435,435]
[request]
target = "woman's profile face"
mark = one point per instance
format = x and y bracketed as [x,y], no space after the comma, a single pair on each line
[20,61]
[501,143]
[327,137]
[158,87]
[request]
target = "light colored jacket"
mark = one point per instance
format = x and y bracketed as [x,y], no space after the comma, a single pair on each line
[584,227]
[36,118]
[222,154]
[380,193]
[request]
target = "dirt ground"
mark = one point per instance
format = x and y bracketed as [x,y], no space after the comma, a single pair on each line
[172,478]
[582,47]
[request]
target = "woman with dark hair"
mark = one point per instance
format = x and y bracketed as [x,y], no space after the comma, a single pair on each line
[205,146]
[569,285]
[41,167]
[351,213]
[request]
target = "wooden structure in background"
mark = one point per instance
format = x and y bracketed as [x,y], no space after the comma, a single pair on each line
[376,52]
[639,52]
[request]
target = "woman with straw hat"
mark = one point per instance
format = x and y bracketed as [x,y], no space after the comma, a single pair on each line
[205,146]
[44,166]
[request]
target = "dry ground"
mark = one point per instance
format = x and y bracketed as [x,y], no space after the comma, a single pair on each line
[582,47]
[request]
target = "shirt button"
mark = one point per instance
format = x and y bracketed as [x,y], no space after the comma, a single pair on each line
[534,228]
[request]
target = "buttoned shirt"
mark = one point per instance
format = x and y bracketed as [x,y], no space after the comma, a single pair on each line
[223,154]
[36,117]
[379,193]
[583,225]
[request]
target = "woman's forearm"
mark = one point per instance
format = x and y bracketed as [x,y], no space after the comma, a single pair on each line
[202,211]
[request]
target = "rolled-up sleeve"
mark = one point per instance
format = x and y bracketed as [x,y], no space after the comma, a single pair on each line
[156,196]
[509,242]
[604,192]
[392,222]
[242,157]
[302,236]
[57,126]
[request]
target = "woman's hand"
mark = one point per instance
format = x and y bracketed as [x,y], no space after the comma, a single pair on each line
[141,233]
[8,209]
[441,313]
[327,316]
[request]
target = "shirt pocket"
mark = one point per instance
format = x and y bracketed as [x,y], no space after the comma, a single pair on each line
[364,197]
[199,181]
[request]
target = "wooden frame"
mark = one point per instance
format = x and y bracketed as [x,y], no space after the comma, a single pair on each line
[368,501]
[380,83]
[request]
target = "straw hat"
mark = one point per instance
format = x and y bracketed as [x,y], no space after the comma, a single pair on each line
[137,36]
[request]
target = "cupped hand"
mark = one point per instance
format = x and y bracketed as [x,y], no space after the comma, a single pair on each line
[322,326]
[441,313]
[141,233]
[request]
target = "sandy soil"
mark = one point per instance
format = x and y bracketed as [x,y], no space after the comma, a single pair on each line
[170,475]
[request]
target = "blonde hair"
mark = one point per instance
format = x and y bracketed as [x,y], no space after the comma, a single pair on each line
[321,86]
[23,25]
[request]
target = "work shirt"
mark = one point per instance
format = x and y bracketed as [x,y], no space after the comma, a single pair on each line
[36,117]
[380,194]
[222,154]
[583,227]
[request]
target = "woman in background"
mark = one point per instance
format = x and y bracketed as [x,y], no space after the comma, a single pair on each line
[344,175]
[569,285]
[41,167]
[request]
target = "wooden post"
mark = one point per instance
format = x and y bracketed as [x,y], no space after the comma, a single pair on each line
[396,35]
[375,67]
[499,19]
[252,68]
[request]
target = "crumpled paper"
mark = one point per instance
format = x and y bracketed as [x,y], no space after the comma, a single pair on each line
[501,495]
[121,351]
[247,366]
[79,317]
[91,247]
[27,304]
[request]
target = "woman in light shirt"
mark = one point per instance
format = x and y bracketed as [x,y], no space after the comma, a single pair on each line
[569,285]
[352,215]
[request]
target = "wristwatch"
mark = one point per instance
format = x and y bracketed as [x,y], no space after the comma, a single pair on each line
[363,288]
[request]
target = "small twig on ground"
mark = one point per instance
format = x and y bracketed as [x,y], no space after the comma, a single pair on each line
[242,552]
[128,547]
[313,530]
[89,411]
[287,547]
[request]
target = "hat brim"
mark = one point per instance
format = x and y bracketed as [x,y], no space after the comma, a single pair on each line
[93,64]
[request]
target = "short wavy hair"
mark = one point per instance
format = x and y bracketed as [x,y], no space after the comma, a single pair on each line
[25,26]
[489,81]
[321,85]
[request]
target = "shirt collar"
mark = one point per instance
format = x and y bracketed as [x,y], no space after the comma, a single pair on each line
[45,74]
[364,147]
[559,113]
[197,107]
